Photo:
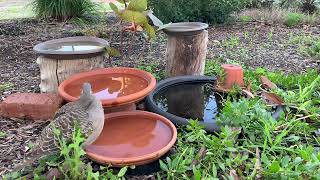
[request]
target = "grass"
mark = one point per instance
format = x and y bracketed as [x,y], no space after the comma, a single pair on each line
[15,12]
[5,86]
[278,16]
[25,11]
[293,19]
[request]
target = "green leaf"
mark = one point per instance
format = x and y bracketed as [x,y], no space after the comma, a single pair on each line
[304,155]
[134,16]
[113,52]
[150,31]
[285,161]
[122,171]
[222,166]
[196,173]
[163,166]
[274,167]
[2,134]
[214,170]
[231,149]
[122,1]
[298,160]
[114,8]
[138,5]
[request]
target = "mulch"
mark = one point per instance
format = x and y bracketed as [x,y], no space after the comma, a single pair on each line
[19,67]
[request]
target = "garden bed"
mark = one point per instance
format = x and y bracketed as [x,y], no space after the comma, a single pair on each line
[254,45]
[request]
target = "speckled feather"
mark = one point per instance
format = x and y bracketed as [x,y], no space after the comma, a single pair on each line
[65,119]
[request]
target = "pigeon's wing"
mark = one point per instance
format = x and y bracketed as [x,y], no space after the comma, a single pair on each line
[70,115]
[47,142]
[64,120]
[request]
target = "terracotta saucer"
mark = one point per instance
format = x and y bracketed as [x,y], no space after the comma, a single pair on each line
[132,138]
[118,86]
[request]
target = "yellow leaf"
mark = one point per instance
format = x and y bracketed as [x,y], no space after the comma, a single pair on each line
[139,28]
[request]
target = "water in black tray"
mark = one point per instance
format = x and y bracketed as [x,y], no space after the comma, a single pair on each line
[190,101]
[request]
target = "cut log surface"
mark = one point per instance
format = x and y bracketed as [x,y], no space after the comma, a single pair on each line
[53,72]
[186,54]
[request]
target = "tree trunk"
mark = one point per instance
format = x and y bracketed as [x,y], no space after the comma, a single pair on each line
[186,54]
[53,72]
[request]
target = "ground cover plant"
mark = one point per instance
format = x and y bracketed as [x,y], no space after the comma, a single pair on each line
[251,144]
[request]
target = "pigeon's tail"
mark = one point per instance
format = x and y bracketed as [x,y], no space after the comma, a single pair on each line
[22,167]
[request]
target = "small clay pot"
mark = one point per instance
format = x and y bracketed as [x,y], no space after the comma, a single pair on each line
[117,88]
[233,76]
[132,138]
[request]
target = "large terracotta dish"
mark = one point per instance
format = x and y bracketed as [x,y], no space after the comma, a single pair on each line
[80,45]
[132,138]
[113,86]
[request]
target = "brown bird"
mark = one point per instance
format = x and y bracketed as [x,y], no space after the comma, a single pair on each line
[87,112]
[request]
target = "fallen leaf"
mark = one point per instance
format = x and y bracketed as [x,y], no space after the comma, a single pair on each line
[248,93]
[234,174]
[249,86]
[266,83]
[139,28]
[53,173]
[257,165]
[272,98]
[202,153]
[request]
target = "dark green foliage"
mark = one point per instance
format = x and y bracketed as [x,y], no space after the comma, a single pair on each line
[64,9]
[260,3]
[210,11]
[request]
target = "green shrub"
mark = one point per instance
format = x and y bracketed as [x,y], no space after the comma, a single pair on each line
[210,11]
[64,9]
[293,19]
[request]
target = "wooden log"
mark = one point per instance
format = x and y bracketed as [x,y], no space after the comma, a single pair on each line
[53,72]
[186,54]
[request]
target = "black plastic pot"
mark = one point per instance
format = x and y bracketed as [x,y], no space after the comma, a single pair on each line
[164,84]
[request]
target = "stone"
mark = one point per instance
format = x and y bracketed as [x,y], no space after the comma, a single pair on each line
[31,106]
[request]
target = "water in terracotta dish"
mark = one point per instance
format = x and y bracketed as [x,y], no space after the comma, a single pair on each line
[132,138]
[113,86]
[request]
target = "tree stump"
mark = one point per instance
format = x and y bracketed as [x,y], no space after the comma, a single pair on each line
[186,54]
[54,71]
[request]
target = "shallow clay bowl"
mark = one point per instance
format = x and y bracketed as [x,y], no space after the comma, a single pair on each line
[132,138]
[72,46]
[113,86]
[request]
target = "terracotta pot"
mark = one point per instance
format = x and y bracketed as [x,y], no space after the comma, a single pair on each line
[117,88]
[233,75]
[132,138]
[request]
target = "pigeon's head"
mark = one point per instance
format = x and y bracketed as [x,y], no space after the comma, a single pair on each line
[87,97]
[86,89]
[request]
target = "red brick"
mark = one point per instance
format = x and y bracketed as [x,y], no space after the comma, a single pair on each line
[31,106]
